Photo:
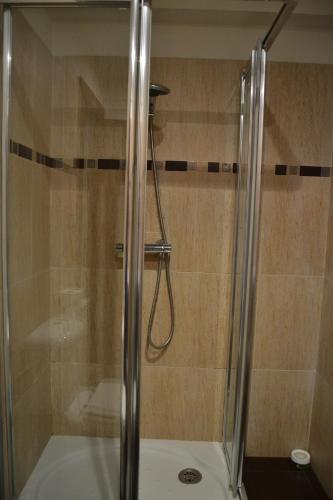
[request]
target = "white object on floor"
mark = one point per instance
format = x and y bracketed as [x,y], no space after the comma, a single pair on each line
[300,457]
[83,468]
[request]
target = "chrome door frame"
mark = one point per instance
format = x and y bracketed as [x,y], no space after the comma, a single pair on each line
[256,71]
[136,173]
[135,185]
[7,439]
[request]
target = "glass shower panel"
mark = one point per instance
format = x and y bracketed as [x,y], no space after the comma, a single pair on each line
[239,261]
[245,263]
[65,214]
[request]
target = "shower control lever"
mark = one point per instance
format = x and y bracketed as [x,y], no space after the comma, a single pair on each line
[151,248]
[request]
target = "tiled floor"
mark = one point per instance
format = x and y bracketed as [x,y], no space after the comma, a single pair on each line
[279,479]
[82,468]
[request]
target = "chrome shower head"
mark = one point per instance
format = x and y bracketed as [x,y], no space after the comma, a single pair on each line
[155,90]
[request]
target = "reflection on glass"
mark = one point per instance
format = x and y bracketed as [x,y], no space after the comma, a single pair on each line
[66,184]
[242,194]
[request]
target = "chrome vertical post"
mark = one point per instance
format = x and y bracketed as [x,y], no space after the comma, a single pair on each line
[6,386]
[137,134]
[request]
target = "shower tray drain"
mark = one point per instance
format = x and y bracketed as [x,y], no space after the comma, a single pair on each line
[190,476]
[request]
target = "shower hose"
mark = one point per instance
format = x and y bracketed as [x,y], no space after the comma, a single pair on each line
[164,259]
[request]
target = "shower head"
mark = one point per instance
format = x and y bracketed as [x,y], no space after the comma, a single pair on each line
[156,89]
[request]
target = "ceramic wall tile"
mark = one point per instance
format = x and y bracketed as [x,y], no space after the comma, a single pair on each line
[68,238]
[325,365]
[104,218]
[170,398]
[40,211]
[29,249]
[200,121]
[196,299]
[223,330]
[293,225]
[86,399]
[32,418]
[90,107]
[86,315]
[30,332]
[287,322]
[31,87]
[87,218]
[329,253]
[303,135]
[20,219]
[321,438]
[280,412]
[198,210]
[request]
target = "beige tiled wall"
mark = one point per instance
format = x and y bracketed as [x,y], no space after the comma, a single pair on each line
[299,116]
[292,246]
[280,411]
[290,283]
[89,107]
[32,87]
[29,249]
[86,295]
[195,122]
[189,376]
[198,121]
[321,437]
[88,121]
[86,221]
[87,212]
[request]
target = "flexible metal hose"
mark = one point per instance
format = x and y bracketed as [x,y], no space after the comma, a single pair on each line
[163,258]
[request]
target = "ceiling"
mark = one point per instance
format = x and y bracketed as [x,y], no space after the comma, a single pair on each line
[191,28]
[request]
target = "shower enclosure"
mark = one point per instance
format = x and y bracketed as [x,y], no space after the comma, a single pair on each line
[75,107]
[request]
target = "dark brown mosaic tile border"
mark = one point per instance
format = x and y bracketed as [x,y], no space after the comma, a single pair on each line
[303,170]
[168,165]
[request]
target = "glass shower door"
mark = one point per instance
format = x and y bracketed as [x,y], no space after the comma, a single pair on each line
[244,268]
[75,115]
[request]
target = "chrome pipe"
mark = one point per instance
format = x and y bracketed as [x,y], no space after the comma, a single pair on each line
[150,248]
[6,386]
[279,23]
[135,184]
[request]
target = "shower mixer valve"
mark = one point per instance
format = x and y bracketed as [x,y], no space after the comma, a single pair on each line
[150,248]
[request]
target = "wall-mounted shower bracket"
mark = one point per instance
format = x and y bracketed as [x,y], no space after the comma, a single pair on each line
[150,248]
